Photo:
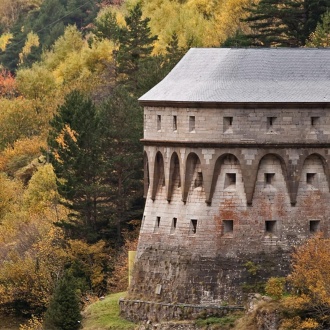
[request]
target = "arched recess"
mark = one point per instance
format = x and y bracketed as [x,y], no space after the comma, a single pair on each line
[159,174]
[193,175]
[226,158]
[146,178]
[267,172]
[315,172]
[174,177]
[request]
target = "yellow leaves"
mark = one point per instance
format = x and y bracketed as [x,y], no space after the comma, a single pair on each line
[41,192]
[5,40]
[275,287]
[36,82]
[198,23]
[26,148]
[73,59]
[310,282]
[66,132]
[31,41]
[296,323]
[91,259]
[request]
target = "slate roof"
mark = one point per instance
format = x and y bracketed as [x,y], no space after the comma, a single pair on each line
[221,75]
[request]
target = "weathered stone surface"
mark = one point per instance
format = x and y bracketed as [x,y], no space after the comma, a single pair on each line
[229,192]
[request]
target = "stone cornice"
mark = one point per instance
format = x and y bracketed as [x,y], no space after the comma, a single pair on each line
[242,144]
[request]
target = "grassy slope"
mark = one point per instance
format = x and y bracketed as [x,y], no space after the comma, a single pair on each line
[104,315]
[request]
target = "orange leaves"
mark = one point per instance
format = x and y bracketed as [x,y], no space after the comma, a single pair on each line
[7,84]
[309,305]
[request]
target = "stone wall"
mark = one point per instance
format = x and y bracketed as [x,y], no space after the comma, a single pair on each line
[247,125]
[137,310]
[228,194]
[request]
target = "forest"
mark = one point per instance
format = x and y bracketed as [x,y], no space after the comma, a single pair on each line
[71,72]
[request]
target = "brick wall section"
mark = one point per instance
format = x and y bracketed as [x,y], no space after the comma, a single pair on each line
[241,195]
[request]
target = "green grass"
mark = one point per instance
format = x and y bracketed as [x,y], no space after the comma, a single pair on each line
[226,322]
[104,315]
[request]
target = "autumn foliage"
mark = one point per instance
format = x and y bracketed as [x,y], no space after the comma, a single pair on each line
[8,88]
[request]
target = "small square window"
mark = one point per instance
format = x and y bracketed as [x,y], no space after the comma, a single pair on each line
[174,223]
[270,122]
[269,178]
[193,226]
[191,123]
[228,226]
[230,180]
[159,122]
[270,226]
[175,123]
[227,124]
[314,226]
[315,121]
[310,178]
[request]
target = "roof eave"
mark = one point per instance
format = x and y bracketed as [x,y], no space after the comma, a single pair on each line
[247,105]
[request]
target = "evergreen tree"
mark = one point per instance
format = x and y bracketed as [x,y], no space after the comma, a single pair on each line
[76,157]
[121,126]
[321,36]
[63,312]
[136,44]
[281,23]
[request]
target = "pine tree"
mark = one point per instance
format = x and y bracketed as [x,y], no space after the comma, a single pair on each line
[63,312]
[75,153]
[121,122]
[321,36]
[281,23]
[136,43]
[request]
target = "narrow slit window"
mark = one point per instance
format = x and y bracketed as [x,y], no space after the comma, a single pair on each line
[270,227]
[175,123]
[199,179]
[193,226]
[174,223]
[269,178]
[315,121]
[310,178]
[157,224]
[159,122]
[314,226]
[145,122]
[270,122]
[230,180]
[227,124]
[228,226]
[191,123]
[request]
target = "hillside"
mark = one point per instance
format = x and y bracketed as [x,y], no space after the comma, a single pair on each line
[71,162]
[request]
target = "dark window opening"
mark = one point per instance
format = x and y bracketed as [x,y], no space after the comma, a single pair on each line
[193,226]
[227,123]
[191,123]
[314,226]
[270,226]
[270,122]
[310,178]
[230,180]
[175,123]
[173,227]
[315,121]
[269,178]
[199,179]
[157,224]
[228,226]
[159,122]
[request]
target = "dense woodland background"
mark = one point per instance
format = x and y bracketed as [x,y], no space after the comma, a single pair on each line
[71,72]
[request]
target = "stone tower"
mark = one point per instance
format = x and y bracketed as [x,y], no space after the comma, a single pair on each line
[236,160]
